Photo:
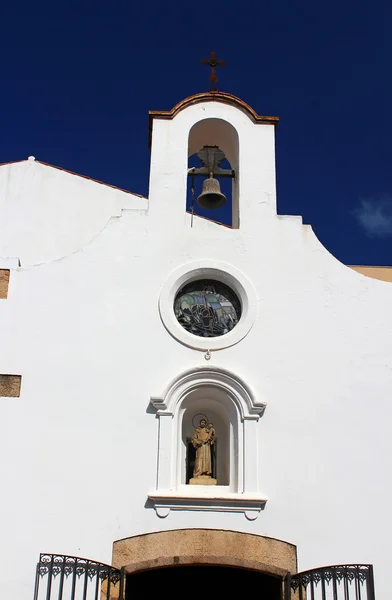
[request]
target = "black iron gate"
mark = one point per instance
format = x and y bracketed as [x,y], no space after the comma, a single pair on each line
[338,582]
[62,577]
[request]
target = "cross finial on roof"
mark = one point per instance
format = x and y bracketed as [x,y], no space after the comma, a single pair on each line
[213,63]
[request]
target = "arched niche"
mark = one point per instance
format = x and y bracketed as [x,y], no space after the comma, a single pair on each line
[234,410]
[218,132]
[212,402]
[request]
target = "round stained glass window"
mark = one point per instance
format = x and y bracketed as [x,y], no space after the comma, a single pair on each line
[207,308]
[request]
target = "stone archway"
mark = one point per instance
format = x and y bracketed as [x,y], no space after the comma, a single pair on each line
[198,551]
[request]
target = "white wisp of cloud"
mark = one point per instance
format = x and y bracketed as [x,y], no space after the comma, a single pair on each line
[374,215]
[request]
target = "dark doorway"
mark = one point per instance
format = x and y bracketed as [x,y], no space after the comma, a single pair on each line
[201,581]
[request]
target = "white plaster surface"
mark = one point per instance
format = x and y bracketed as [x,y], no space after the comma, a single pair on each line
[47,213]
[78,449]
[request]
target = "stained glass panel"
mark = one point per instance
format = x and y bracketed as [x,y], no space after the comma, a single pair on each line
[207,308]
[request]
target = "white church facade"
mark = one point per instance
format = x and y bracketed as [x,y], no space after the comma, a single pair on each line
[184,400]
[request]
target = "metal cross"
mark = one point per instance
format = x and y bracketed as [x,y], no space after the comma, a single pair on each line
[213,63]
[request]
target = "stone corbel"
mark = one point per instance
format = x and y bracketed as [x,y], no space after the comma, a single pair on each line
[249,504]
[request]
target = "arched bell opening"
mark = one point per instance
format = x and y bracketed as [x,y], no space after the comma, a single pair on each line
[213,164]
[203,580]
[212,405]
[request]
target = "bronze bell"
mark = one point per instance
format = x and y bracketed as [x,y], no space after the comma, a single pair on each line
[211,195]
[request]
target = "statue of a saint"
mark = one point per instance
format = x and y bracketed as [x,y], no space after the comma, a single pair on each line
[202,439]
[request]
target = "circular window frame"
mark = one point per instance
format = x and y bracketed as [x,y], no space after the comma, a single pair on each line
[218,271]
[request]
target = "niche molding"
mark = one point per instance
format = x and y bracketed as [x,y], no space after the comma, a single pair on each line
[230,403]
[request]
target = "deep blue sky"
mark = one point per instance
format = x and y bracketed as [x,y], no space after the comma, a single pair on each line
[78,79]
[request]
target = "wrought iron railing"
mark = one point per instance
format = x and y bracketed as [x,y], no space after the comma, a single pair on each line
[62,577]
[340,582]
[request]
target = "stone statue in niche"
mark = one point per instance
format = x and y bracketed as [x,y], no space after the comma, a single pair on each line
[202,439]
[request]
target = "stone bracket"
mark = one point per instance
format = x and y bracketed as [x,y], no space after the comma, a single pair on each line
[249,504]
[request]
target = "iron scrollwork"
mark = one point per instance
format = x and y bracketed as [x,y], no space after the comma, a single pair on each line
[338,582]
[71,577]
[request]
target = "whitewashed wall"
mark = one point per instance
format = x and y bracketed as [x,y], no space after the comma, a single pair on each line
[81,324]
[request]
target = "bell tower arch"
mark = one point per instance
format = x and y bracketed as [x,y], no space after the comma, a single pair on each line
[220,134]
[213,119]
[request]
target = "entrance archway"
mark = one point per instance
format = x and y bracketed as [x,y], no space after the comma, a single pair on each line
[179,559]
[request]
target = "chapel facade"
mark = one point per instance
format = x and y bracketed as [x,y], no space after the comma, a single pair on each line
[193,390]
